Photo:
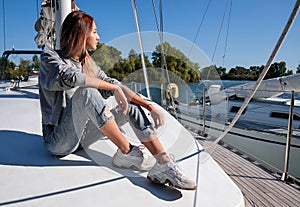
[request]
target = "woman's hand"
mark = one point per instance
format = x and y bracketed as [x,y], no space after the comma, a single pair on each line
[121,100]
[157,117]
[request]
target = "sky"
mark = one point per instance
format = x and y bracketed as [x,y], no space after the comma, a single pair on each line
[254,28]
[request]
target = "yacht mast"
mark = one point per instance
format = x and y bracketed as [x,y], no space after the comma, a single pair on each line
[62,9]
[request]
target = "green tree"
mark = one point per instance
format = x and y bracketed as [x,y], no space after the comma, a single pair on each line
[9,69]
[106,56]
[176,62]
[239,73]
[35,62]
[210,73]
[277,70]
[256,71]
[222,72]
[24,69]
[137,60]
[126,67]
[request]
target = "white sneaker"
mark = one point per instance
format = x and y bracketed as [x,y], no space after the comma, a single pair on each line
[136,159]
[170,173]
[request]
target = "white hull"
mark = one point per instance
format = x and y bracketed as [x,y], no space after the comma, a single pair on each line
[266,147]
[270,113]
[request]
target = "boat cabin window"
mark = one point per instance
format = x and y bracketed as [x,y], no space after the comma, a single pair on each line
[235,109]
[283,115]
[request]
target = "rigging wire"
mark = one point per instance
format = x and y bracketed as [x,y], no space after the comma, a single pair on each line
[163,58]
[4,26]
[217,41]
[199,27]
[227,32]
[37,9]
[219,34]
[53,38]
[263,73]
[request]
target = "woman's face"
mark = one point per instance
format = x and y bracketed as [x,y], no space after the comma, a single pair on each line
[92,38]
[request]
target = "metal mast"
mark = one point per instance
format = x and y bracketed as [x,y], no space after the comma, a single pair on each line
[62,9]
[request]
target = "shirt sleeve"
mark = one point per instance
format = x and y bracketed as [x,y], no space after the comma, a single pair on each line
[102,75]
[58,74]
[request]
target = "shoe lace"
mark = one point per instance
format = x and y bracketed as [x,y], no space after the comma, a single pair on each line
[137,151]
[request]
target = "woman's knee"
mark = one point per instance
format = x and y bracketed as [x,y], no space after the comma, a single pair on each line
[59,146]
[94,106]
[88,93]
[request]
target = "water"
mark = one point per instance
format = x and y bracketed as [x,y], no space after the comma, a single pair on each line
[188,92]
[262,151]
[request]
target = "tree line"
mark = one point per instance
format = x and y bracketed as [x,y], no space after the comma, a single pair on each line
[181,67]
[22,71]
[276,69]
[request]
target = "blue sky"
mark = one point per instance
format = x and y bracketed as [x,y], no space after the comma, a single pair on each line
[254,28]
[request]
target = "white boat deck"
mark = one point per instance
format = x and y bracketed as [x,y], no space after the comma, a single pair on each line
[30,176]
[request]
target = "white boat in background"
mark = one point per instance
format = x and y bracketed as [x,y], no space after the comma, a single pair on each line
[261,131]
[268,109]
[30,176]
[270,88]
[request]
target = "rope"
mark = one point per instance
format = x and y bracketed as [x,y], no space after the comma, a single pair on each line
[141,48]
[155,15]
[163,59]
[263,74]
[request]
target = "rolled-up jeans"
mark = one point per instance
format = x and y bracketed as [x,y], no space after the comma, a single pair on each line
[84,115]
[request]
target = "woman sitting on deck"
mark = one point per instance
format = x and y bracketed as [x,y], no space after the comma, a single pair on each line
[72,90]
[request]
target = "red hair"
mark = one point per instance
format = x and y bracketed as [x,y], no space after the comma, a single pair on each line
[74,30]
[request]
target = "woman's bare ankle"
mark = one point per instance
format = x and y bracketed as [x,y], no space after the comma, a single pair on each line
[126,149]
[162,158]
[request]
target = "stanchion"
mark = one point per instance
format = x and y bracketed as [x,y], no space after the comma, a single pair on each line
[288,138]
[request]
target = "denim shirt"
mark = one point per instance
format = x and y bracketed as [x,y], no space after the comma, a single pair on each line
[59,77]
